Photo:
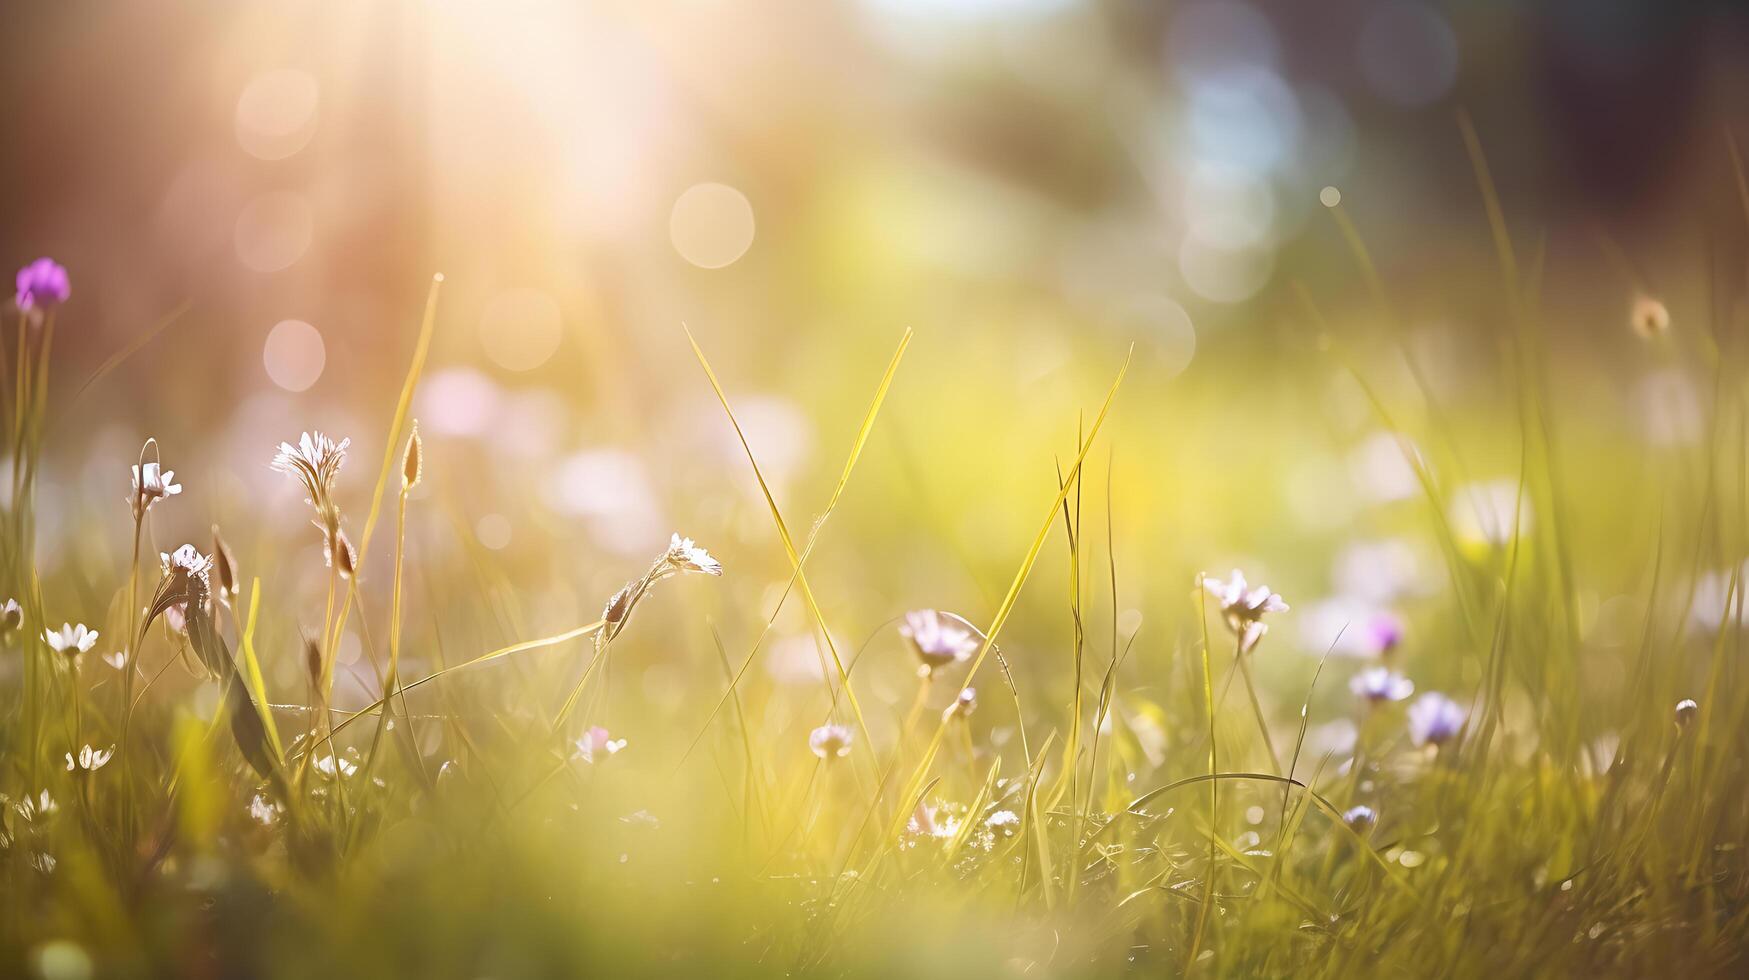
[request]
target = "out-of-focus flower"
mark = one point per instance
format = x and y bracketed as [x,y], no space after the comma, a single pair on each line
[1435,719]
[89,759]
[1648,317]
[1244,607]
[938,640]
[1383,632]
[71,639]
[689,557]
[1360,818]
[1004,822]
[1686,710]
[118,659]
[264,811]
[186,559]
[964,704]
[596,744]
[34,808]
[43,284]
[932,821]
[328,765]
[150,486]
[11,617]
[1379,684]
[830,741]
[1489,513]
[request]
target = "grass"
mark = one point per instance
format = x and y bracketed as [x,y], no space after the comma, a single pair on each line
[1106,809]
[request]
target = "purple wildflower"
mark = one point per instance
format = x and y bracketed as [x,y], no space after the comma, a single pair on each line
[1435,719]
[937,639]
[1243,607]
[1383,632]
[43,284]
[1379,684]
[1360,818]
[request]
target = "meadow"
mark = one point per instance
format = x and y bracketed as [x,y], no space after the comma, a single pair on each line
[915,592]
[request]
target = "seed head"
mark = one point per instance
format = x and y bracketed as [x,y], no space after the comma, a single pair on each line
[342,555]
[224,565]
[413,461]
[313,661]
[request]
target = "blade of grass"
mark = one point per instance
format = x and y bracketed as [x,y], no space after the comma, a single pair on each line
[797,560]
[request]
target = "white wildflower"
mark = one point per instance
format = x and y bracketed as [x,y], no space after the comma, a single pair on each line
[89,759]
[689,557]
[71,639]
[150,486]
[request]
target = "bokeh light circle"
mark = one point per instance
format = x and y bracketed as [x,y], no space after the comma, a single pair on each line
[1224,275]
[1407,52]
[276,114]
[711,225]
[273,231]
[493,531]
[521,328]
[294,355]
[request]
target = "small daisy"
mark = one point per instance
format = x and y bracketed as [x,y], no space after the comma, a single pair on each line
[1004,822]
[1435,719]
[1380,684]
[597,744]
[150,486]
[689,557]
[937,639]
[89,759]
[830,741]
[71,640]
[11,616]
[1244,607]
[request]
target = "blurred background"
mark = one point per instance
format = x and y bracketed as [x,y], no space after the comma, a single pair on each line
[1031,185]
